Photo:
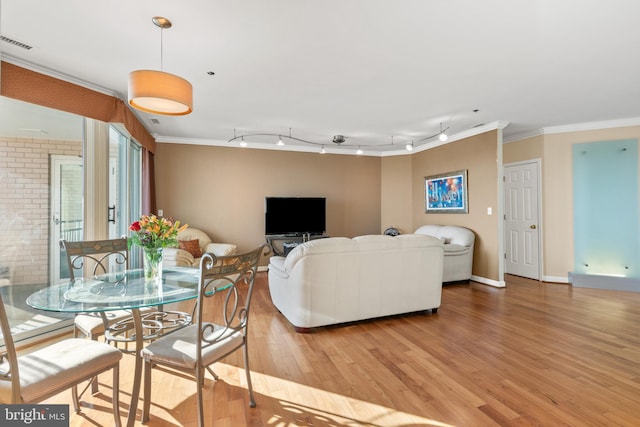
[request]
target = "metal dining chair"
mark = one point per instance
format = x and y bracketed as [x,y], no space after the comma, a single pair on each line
[195,348]
[36,376]
[92,258]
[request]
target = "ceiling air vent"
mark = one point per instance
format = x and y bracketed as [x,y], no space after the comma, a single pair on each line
[155,121]
[16,43]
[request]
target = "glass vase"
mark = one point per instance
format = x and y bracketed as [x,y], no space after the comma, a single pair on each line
[152,265]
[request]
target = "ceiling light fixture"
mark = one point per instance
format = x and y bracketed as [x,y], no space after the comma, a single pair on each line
[158,92]
[339,140]
[443,136]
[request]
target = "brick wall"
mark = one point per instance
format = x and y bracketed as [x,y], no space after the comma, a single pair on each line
[24,205]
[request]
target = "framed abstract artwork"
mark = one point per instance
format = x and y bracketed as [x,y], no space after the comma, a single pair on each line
[446,192]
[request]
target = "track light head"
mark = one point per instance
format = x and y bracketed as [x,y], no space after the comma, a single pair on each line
[339,139]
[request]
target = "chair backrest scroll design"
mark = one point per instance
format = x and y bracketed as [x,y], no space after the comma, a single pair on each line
[220,278]
[96,255]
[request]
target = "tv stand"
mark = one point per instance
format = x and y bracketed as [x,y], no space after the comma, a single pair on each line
[282,244]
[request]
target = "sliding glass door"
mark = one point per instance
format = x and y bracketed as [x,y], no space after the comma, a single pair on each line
[125,177]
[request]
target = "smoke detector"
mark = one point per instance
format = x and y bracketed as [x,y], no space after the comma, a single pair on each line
[339,139]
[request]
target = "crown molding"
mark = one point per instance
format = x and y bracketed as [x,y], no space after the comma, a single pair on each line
[577,127]
[351,151]
[606,124]
[497,125]
[523,135]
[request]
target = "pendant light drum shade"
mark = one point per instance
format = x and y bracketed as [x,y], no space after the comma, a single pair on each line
[158,92]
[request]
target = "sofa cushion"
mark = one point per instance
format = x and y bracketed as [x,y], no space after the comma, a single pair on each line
[221,249]
[194,233]
[376,242]
[330,245]
[457,235]
[456,249]
[417,240]
[191,246]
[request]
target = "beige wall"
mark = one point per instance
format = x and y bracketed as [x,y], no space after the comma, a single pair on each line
[526,149]
[477,154]
[557,189]
[397,193]
[221,190]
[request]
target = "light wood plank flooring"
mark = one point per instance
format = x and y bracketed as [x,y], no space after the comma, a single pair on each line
[530,354]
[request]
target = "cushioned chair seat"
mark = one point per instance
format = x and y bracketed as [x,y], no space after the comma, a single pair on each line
[92,324]
[65,362]
[181,350]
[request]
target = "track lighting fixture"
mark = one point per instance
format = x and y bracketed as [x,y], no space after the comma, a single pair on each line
[338,140]
[443,136]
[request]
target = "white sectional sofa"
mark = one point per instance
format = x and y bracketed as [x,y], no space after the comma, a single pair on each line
[458,250]
[337,280]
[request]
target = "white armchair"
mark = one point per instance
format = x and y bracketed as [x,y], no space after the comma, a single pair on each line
[194,243]
[458,250]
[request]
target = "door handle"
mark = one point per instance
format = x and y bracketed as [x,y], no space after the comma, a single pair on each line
[533,227]
[111,214]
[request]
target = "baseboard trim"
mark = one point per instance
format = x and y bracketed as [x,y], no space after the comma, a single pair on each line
[555,279]
[490,282]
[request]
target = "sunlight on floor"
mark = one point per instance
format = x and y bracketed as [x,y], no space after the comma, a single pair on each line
[290,397]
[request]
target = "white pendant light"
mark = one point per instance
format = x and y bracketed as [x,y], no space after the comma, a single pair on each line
[158,92]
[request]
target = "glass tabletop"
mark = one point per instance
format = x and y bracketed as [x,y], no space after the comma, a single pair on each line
[115,291]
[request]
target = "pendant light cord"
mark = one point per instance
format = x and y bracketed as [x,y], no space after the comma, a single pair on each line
[161,49]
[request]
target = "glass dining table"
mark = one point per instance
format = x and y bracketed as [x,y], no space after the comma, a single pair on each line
[126,291]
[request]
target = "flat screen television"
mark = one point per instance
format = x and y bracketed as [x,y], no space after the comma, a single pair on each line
[295,215]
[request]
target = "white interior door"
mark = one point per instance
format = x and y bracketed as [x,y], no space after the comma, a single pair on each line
[66,211]
[522,224]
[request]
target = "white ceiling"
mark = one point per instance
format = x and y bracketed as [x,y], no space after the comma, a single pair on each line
[367,69]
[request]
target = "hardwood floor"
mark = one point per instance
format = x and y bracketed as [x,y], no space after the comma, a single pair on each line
[530,354]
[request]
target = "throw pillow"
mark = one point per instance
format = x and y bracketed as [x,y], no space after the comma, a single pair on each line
[191,246]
